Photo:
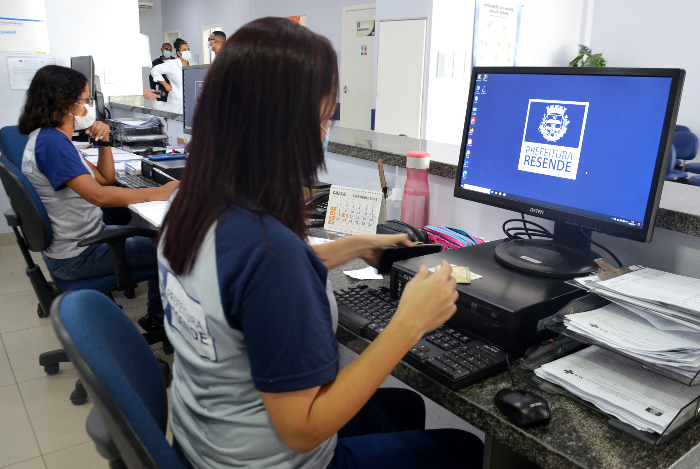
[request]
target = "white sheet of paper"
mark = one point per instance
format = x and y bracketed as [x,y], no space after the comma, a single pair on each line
[313,241]
[22,70]
[368,273]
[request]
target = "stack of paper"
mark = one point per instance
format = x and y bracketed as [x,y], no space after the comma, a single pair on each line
[620,387]
[652,294]
[120,157]
[139,123]
[677,348]
[153,212]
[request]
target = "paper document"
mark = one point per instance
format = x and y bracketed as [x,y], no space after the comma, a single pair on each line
[139,123]
[313,241]
[368,273]
[626,331]
[23,69]
[621,387]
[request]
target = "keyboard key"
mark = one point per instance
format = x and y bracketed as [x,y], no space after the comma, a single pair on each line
[435,364]
[460,373]
[424,348]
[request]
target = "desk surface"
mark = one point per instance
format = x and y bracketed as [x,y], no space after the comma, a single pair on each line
[575,438]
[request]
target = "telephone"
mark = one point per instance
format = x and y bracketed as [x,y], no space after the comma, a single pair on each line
[317,204]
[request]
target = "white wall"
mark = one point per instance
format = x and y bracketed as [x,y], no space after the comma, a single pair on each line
[648,33]
[111,37]
[151,24]
[550,31]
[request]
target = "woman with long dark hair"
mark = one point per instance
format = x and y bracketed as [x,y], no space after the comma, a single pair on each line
[249,310]
[72,189]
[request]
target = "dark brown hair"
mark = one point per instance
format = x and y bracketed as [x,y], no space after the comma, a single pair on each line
[256,135]
[53,90]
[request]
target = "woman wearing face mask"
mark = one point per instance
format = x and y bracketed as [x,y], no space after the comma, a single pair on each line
[72,189]
[172,69]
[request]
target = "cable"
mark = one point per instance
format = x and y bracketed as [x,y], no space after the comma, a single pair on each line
[619,264]
[522,215]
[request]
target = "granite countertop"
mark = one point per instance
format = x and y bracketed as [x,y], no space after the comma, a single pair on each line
[137,103]
[679,209]
[576,437]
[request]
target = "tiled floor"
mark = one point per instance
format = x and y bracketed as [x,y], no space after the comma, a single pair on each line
[39,427]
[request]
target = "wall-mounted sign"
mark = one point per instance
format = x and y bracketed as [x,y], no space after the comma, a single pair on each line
[365,28]
[22,70]
[298,19]
[496,33]
[363,50]
[23,26]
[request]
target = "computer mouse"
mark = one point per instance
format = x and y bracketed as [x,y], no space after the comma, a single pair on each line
[523,408]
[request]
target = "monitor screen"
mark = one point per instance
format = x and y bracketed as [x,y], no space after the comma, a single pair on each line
[578,145]
[86,66]
[192,81]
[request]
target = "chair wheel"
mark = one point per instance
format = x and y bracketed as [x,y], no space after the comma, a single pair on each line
[51,369]
[167,347]
[129,293]
[77,398]
[40,312]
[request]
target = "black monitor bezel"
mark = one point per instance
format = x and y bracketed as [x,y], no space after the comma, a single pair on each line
[91,76]
[185,128]
[595,224]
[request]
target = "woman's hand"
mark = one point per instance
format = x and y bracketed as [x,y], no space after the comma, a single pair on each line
[371,252]
[99,131]
[165,190]
[427,301]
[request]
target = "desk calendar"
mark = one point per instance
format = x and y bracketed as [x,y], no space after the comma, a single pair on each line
[352,211]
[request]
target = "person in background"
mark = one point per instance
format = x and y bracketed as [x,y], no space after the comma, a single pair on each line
[216,41]
[172,69]
[251,314]
[72,189]
[166,53]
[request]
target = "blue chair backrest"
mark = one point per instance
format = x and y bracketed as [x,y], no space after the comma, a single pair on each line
[671,160]
[12,144]
[682,128]
[25,202]
[122,376]
[686,144]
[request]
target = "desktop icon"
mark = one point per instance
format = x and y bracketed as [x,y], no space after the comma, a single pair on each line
[483,89]
[478,88]
[473,109]
[486,76]
[469,142]
[476,98]
[478,77]
[473,120]
[464,174]
[466,163]
[468,152]
[471,131]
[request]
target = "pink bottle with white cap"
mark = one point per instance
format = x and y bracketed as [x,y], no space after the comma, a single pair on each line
[415,207]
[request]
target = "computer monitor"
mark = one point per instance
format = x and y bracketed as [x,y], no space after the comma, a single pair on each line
[192,81]
[584,147]
[86,66]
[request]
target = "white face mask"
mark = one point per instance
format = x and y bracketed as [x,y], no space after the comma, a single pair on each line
[187,55]
[210,48]
[86,121]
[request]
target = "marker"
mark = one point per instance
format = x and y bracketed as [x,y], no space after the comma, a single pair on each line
[164,174]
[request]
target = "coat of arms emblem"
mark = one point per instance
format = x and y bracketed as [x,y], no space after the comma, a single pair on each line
[554,122]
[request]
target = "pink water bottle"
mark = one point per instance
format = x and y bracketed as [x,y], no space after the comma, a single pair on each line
[415,207]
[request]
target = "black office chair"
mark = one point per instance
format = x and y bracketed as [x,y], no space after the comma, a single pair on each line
[130,416]
[32,227]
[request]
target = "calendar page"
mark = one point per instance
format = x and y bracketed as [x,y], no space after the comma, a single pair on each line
[352,211]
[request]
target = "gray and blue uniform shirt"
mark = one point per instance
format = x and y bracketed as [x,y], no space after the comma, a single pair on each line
[49,161]
[255,314]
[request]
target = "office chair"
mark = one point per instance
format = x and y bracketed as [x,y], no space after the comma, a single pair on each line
[12,144]
[123,377]
[673,174]
[686,144]
[32,227]
[682,128]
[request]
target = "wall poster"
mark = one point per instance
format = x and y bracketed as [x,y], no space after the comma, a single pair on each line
[23,26]
[496,33]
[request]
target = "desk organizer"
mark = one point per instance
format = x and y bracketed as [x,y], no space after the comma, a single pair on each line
[131,139]
[569,343]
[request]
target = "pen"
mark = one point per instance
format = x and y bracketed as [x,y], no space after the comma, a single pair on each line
[164,174]
[380,164]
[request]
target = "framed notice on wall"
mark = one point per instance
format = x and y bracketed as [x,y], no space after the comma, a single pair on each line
[23,26]
[496,34]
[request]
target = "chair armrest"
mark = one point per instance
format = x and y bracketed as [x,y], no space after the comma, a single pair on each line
[114,235]
[12,218]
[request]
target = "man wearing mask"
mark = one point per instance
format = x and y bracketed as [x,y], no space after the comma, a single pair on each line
[216,41]
[172,70]
[166,53]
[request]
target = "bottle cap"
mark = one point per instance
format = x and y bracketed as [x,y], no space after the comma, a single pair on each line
[418,160]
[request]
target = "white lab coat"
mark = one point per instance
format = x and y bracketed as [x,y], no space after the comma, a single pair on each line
[173,70]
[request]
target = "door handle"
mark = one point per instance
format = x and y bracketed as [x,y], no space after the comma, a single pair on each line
[345,89]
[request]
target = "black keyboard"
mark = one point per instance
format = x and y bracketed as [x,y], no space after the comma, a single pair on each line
[451,356]
[132,181]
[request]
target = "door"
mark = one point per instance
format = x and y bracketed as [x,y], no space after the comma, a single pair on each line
[357,67]
[170,36]
[400,77]
[208,55]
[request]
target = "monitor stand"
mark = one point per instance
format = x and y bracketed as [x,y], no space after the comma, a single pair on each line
[567,255]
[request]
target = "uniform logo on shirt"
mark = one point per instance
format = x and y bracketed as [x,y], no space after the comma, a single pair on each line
[553,137]
[186,315]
